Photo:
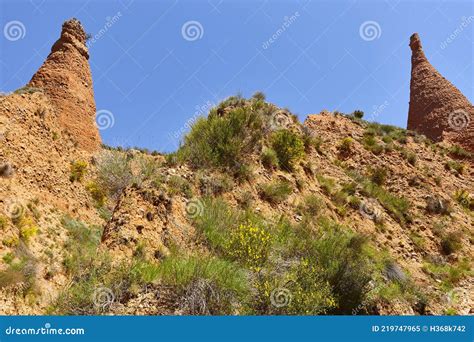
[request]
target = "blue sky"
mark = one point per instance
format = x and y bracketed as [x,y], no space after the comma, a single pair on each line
[158,64]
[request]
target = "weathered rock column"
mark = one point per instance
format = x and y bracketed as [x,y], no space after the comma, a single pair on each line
[437,108]
[66,78]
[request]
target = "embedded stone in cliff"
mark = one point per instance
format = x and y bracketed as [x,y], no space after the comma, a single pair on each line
[66,78]
[437,108]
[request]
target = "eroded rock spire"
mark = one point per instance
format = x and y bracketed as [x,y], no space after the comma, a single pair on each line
[66,78]
[437,108]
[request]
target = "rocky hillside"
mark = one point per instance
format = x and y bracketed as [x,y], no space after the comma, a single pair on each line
[256,213]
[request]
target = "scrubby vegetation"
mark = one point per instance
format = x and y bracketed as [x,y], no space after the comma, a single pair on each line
[78,170]
[222,141]
[276,192]
[464,199]
[269,158]
[345,146]
[455,166]
[21,272]
[274,233]
[288,147]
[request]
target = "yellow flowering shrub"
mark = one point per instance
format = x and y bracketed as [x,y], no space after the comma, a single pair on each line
[311,294]
[97,193]
[300,291]
[78,170]
[3,222]
[250,244]
[28,228]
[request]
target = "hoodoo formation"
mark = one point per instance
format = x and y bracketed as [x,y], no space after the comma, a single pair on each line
[66,78]
[437,108]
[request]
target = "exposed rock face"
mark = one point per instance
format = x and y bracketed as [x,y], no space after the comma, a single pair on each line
[66,78]
[145,219]
[437,108]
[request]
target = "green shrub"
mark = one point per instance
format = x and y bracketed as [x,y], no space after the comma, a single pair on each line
[456,166]
[147,167]
[28,90]
[3,222]
[370,144]
[302,291]
[179,186]
[343,261]
[312,205]
[418,241]
[451,243]
[93,291]
[387,139]
[215,185]
[22,272]
[269,158]
[358,114]
[464,199]
[395,205]
[242,173]
[328,185]
[93,275]
[276,192]
[459,152]
[215,223]
[378,175]
[222,141]
[81,245]
[230,102]
[8,258]
[449,274]
[78,170]
[259,96]
[345,146]
[246,200]
[172,159]
[410,157]
[28,229]
[310,140]
[98,194]
[206,285]
[114,172]
[289,148]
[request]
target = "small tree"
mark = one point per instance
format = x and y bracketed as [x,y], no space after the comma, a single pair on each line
[289,148]
[358,114]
